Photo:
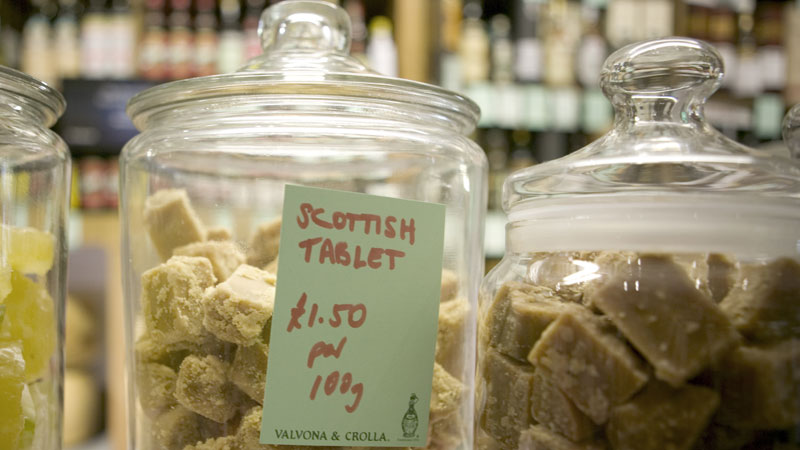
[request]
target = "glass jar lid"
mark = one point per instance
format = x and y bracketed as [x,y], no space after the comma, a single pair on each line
[662,177]
[30,96]
[306,67]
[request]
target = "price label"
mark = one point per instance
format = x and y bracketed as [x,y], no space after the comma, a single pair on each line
[354,326]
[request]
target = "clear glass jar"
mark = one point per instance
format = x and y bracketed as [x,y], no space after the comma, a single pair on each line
[791,130]
[34,190]
[210,167]
[650,293]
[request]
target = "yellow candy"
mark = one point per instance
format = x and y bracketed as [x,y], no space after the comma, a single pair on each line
[29,318]
[27,250]
[5,282]
[12,372]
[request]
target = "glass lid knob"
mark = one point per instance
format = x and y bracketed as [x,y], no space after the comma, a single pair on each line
[305,25]
[661,80]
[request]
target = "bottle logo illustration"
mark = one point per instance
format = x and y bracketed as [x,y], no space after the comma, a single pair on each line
[410,419]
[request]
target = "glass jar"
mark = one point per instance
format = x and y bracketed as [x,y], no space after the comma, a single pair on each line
[791,130]
[650,293]
[206,177]
[34,188]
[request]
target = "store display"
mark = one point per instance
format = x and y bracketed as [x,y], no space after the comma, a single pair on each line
[202,233]
[649,294]
[34,194]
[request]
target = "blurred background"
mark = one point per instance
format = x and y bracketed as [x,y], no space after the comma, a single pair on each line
[531,65]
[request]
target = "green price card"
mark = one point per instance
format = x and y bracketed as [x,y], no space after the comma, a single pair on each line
[354,327]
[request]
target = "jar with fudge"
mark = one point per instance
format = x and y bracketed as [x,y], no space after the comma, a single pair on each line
[34,190]
[302,251]
[649,297]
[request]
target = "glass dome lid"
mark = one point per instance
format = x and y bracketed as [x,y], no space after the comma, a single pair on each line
[306,66]
[660,142]
[661,171]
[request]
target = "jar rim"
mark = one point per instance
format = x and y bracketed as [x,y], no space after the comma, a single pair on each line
[46,101]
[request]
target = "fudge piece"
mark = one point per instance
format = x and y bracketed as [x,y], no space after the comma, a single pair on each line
[155,384]
[224,256]
[760,386]
[722,274]
[446,394]
[202,386]
[484,441]
[450,336]
[171,221]
[510,330]
[765,302]
[218,234]
[219,443]
[237,309]
[249,370]
[247,436]
[677,328]
[662,417]
[172,298]
[264,244]
[177,428]
[527,317]
[507,402]
[447,433]
[149,348]
[551,408]
[538,437]
[449,285]
[590,365]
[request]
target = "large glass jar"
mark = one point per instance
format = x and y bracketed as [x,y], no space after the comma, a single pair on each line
[649,297]
[34,188]
[205,179]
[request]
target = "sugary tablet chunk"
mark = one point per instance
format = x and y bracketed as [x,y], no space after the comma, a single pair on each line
[760,386]
[5,283]
[264,244]
[177,428]
[590,365]
[218,443]
[511,330]
[149,348]
[450,336]
[12,383]
[172,298]
[449,287]
[447,393]
[29,318]
[528,316]
[507,402]
[171,221]
[249,370]
[764,304]
[662,417]
[27,250]
[538,437]
[238,309]
[218,234]
[224,256]
[447,433]
[272,266]
[155,384]
[676,327]
[553,409]
[202,386]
